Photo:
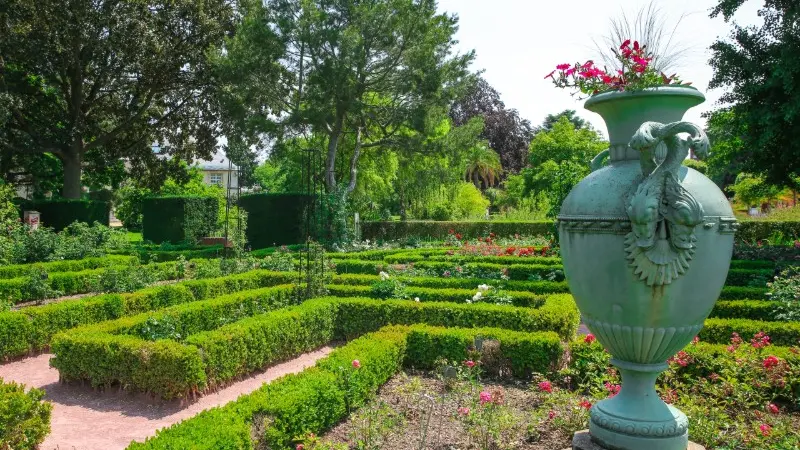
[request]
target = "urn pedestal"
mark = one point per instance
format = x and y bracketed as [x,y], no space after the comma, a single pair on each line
[646,244]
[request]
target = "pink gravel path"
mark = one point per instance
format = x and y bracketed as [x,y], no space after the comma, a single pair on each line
[86,419]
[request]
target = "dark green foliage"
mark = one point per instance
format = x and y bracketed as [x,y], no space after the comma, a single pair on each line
[178,219]
[526,352]
[759,69]
[534,287]
[756,230]
[58,214]
[24,417]
[439,230]
[745,309]
[275,219]
[719,331]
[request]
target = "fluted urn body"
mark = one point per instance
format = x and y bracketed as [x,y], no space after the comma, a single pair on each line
[646,244]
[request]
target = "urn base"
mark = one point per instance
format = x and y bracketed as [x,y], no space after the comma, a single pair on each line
[582,440]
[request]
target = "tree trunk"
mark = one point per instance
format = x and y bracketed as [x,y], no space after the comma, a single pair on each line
[354,162]
[71,161]
[330,161]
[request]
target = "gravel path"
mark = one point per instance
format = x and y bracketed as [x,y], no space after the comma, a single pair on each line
[86,419]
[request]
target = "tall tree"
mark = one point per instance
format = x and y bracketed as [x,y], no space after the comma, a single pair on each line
[760,69]
[565,141]
[102,80]
[365,71]
[508,134]
[577,121]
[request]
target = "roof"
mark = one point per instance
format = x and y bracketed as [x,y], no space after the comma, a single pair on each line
[218,162]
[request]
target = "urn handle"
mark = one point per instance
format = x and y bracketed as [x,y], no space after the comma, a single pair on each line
[662,212]
[599,161]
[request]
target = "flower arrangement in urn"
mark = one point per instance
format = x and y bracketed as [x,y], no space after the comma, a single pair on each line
[636,71]
[665,233]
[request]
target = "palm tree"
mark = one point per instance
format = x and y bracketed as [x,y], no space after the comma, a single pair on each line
[483,166]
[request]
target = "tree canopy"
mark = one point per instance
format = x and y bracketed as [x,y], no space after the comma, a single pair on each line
[759,68]
[93,82]
[565,141]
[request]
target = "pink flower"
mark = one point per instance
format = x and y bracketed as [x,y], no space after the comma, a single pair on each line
[545,386]
[589,338]
[300,447]
[639,69]
[625,44]
[469,363]
[464,411]
[562,67]
[636,45]
[585,404]
[682,359]
[613,389]
[796,244]
[770,361]
[551,415]
[569,71]
[695,340]
[549,75]
[588,64]
[485,397]
[356,364]
[760,340]
[765,429]
[773,408]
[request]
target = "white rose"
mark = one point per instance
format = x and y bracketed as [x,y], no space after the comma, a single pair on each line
[483,288]
[477,297]
[416,299]
[384,276]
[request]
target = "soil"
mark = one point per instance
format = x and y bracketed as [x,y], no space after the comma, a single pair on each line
[445,430]
[87,419]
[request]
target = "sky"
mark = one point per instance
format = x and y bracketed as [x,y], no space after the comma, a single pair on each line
[518,42]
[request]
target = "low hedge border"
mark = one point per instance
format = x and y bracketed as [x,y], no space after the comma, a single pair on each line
[558,314]
[30,329]
[208,355]
[719,331]
[749,230]
[519,298]
[19,270]
[73,283]
[167,365]
[315,400]
[405,258]
[392,231]
[745,309]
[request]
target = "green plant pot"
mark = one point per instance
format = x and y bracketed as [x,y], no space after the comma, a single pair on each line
[646,244]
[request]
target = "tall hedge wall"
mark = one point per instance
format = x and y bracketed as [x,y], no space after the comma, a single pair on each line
[274,219]
[439,230]
[178,219]
[749,230]
[60,213]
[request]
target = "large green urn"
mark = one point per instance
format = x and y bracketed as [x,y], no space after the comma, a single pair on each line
[646,244]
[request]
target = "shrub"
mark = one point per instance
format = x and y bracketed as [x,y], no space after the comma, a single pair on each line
[719,331]
[275,219]
[756,230]
[18,270]
[439,230]
[60,213]
[393,289]
[469,202]
[785,290]
[24,417]
[178,219]
[745,309]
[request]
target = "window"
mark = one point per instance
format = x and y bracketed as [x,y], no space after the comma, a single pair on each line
[215,178]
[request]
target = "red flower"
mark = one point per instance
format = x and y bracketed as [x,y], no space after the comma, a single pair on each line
[588,64]
[451,231]
[695,340]
[773,408]
[589,338]
[563,66]
[585,404]
[770,362]
[765,429]
[545,386]
[682,359]
[760,340]
[625,44]
[300,447]
[356,364]
[458,236]
[550,75]
[639,69]
[469,363]
[636,45]
[551,415]
[492,235]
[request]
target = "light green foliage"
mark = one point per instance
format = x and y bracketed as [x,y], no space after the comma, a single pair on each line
[270,177]
[699,166]
[785,290]
[553,181]
[751,190]
[565,142]
[468,202]
[24,417]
